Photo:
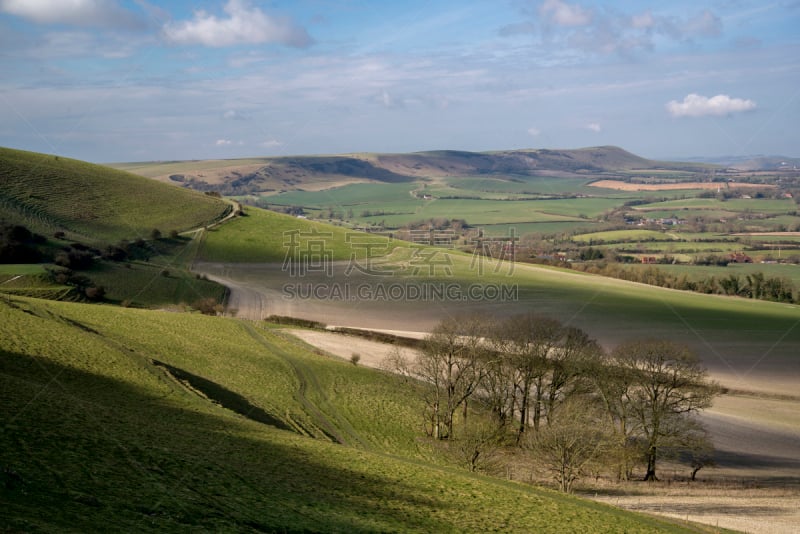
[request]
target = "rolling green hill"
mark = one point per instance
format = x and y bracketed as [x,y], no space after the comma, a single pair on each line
[266,236]
[132,420]
[93,203]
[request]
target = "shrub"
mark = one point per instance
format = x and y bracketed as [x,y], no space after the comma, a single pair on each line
[95,293]
[208,306]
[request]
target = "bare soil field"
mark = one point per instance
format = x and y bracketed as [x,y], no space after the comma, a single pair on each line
[755,486]
[764,509]
[626,186]
[372,353]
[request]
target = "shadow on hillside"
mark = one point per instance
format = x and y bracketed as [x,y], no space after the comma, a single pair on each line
[91,450]
[222,396]
[354,167]
[725,458]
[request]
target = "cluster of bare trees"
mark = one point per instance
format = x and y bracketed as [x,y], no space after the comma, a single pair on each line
[539,384]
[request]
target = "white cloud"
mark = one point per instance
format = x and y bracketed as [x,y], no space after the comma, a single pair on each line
[243,25]
[85,13]
[223,142]
[564,14]
[534,132]
[695,105]
[594,126]
[272,143]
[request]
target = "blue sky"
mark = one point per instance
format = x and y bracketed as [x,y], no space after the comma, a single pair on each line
[133,80]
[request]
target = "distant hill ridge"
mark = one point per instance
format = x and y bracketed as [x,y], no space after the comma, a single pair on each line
[95,203]
[292,172]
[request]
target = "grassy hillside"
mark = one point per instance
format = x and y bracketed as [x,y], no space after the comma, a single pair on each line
[116,417]
[93,203]
[265,236]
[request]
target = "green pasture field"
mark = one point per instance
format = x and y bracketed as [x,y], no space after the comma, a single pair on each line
[19,268]
[699,272]
[615,236]
[481,212]
[399,207]
[768,238]
[543,228]
[364,196]
[95,203]
[683,213]
[664,174]
[541,185]
[548,185]
[97,434]
[755,205]
[787,222]
[449,192]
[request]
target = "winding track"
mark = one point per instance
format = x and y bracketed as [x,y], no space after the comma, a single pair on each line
[329,421]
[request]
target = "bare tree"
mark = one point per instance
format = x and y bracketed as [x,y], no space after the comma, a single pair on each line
[529,339]
[577,436]
[669,384]
[612,383]
[568,365]
[451,360]
[478,445]
[544,363]
[498,392]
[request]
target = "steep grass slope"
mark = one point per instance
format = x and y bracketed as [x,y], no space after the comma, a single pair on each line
[94,203]
[113,418]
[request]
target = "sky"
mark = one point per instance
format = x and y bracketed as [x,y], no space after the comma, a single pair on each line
[134,80]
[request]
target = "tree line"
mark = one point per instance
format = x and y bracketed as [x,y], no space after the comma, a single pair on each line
[529,381]
[754,285]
